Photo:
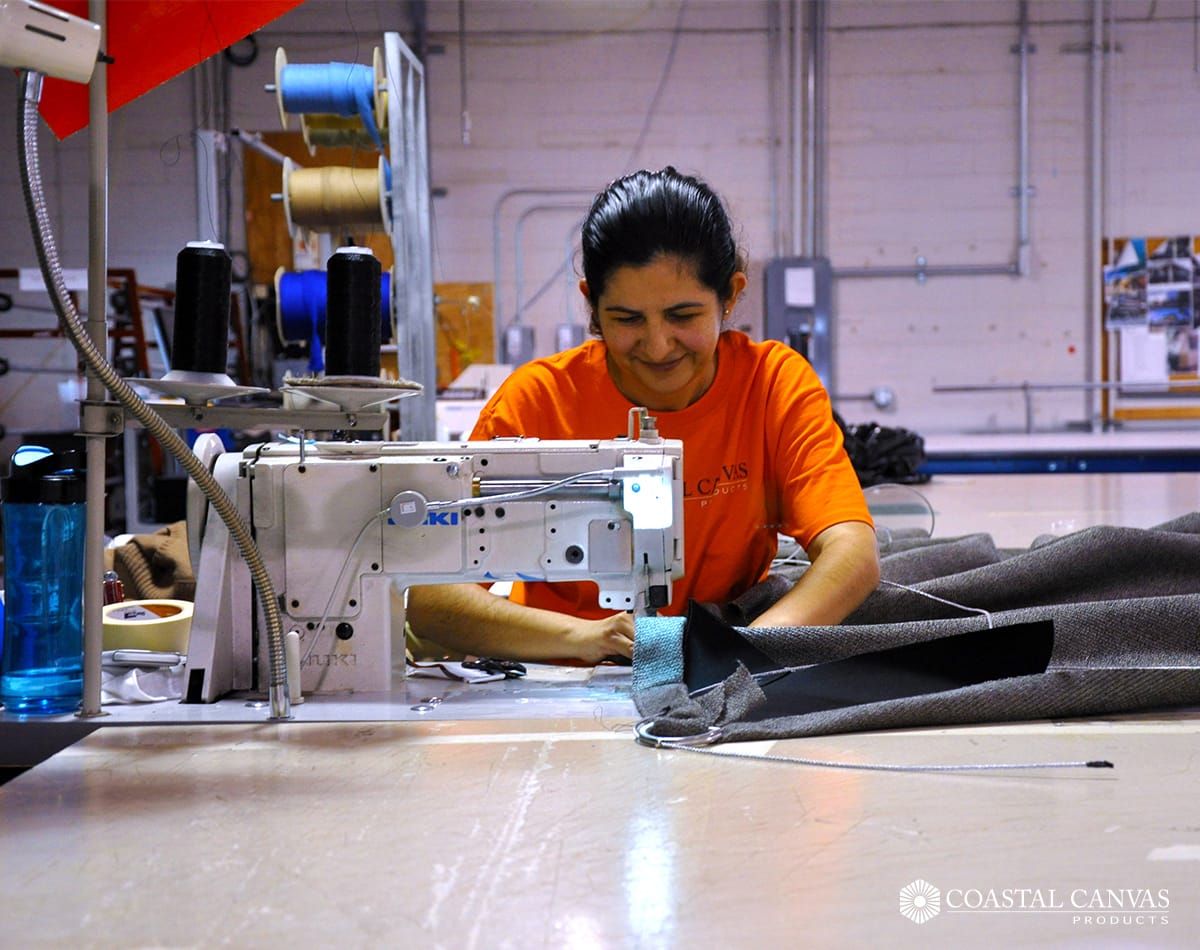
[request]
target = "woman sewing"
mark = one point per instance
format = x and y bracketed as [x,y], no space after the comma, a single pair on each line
[762,454]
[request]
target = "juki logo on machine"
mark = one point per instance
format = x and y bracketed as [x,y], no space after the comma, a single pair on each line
[442,518]
[436,519]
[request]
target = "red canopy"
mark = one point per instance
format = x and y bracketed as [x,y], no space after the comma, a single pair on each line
[151,41]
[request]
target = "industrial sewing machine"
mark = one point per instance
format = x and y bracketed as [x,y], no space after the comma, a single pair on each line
[344,528]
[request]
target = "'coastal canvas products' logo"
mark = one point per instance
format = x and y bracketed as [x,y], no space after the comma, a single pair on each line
[920,901]
[722,480]
[1108,907]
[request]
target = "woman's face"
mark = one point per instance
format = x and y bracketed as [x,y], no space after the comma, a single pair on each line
[660,325]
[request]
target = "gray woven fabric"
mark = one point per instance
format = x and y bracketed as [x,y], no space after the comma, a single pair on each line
[1125,604]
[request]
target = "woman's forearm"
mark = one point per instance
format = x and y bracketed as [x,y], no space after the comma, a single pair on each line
[845,569]
[469,619]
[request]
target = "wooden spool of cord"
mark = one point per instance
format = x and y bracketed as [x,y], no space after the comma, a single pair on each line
[335,198]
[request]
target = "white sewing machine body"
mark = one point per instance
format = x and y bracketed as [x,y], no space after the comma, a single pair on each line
[345,527]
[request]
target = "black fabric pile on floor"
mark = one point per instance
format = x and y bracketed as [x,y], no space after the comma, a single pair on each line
[1121,607]
[882,454]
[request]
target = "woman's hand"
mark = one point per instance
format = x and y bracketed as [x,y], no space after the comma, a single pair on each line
[595,640]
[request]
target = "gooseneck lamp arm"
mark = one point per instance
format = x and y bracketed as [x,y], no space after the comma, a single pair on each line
[155,425]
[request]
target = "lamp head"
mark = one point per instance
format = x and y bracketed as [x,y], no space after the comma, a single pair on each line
[38,37]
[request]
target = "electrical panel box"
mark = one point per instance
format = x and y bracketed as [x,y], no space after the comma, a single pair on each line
[800,309]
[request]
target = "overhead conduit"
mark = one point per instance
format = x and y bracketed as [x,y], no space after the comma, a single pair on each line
[1020,265]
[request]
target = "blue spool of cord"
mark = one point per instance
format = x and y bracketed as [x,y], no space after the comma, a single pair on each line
[302,305]
[302,312]
[385,307]
[343,89]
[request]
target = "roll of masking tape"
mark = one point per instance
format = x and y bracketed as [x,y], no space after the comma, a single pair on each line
[148,625]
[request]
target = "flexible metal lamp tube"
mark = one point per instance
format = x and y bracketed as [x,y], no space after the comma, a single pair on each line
[154,424]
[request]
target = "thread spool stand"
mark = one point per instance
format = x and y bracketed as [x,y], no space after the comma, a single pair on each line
[202,304]
[352,334]
[194,391]
[300,305]
[346,393]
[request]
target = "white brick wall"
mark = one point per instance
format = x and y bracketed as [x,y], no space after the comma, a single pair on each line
[923,157]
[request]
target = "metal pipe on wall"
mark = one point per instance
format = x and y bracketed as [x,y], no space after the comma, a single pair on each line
[1181,389]
[1020,265]
[921,271]
[814,132]
[776,103]
[1023,51]
[1095,218]
[798,138]
[254,142]
[519,256]
[498,317]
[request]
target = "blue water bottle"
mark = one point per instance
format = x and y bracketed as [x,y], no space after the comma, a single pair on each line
[41,665]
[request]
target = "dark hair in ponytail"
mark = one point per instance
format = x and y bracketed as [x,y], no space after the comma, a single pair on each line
[649,214]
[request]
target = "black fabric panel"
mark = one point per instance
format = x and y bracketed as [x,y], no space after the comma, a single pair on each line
[713,650]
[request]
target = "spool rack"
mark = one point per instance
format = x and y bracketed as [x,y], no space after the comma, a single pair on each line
[412,268]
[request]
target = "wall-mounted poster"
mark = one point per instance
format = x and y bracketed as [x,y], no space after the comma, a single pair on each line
[1152,309]
[1125,284]
[1170,272]
[1154,283]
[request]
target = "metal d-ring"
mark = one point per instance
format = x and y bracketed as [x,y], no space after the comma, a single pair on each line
[711,736]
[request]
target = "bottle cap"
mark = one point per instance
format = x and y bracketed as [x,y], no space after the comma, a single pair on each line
[38,476]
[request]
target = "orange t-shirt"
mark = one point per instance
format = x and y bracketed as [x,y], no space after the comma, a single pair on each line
[762,455]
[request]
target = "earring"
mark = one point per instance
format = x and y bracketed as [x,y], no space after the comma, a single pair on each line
[726,311]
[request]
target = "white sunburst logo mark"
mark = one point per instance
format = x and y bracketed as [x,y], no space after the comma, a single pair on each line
[920,901]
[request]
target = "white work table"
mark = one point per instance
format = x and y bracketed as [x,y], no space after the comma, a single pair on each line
[523,814]
[566,833]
